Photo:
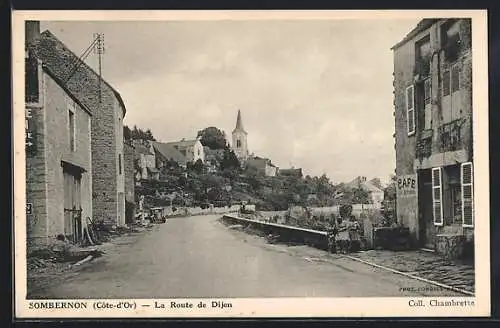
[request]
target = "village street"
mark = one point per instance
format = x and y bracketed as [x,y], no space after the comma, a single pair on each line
[200,257]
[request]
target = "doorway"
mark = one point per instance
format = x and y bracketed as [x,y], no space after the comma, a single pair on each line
[426,221]
[72,203]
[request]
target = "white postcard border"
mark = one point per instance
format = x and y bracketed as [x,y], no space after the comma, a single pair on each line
[267,307]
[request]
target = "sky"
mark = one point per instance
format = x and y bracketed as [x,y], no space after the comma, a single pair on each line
[315,94]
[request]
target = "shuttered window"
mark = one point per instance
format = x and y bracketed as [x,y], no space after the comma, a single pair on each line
[437,196]
[410,110]
[466,177]
[446,83]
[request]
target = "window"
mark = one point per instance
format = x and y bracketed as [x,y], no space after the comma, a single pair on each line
[451,41]
[72,139]
[466,177]
[437,196]
[238,143]
[120,164]
[423,55]
[410,110]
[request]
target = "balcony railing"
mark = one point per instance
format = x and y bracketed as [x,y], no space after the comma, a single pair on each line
[451,135]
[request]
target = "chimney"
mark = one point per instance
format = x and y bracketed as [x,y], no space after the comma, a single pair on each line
[32,32]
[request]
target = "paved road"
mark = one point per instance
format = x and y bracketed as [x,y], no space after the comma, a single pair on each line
[200,257]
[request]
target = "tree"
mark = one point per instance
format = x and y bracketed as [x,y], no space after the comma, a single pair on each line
[137,133]
[361,196]
[229,160]
[196,166]
[212,138]
[127,133]
[389,203]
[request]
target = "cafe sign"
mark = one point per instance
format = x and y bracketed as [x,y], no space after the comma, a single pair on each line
[30,133]
[406,185]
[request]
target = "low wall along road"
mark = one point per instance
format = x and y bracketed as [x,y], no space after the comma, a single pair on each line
[314,238]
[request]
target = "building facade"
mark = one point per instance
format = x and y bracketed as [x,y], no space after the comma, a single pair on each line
[108,111]
[58,152]
[240,144]
[145,160]
[433,123]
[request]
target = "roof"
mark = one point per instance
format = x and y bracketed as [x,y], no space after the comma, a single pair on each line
[364,184]
[370,187]
[421,26]
[169,152]
[141,149]
[183,143]
[63,86]
[153,169]
[290,171]
[239,123]
[62,63]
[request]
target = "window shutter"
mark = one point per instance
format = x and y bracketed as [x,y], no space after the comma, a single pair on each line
[437,195]
[427,91]
[466,177]
[446,83]
[455,78]
[410,110]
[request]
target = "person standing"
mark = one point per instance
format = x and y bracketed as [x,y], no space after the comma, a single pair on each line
[331,235]
[342,237]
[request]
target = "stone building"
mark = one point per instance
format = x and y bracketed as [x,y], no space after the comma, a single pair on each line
[262,165]
[58,151]
[433,139]
[108,111]
[240,145]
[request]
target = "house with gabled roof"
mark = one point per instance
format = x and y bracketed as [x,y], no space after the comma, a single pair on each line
[166,152]
[108,111]
[191,149]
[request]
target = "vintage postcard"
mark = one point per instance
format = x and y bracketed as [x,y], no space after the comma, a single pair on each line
[251,164]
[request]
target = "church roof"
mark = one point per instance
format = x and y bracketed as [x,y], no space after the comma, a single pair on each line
[239,123]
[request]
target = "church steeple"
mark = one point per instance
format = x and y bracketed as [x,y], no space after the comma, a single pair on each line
[240,146]
[239,123]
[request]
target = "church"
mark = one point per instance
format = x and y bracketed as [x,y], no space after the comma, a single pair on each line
[240,145]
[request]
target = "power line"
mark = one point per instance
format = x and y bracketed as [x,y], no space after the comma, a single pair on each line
[81,59]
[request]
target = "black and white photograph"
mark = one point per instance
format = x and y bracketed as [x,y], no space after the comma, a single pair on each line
[217,164]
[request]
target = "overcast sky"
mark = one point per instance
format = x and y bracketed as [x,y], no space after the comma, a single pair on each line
[313,94]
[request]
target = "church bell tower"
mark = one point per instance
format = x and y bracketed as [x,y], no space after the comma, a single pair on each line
[240,146]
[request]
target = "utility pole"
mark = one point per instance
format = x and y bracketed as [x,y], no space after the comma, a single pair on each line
[99,50]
